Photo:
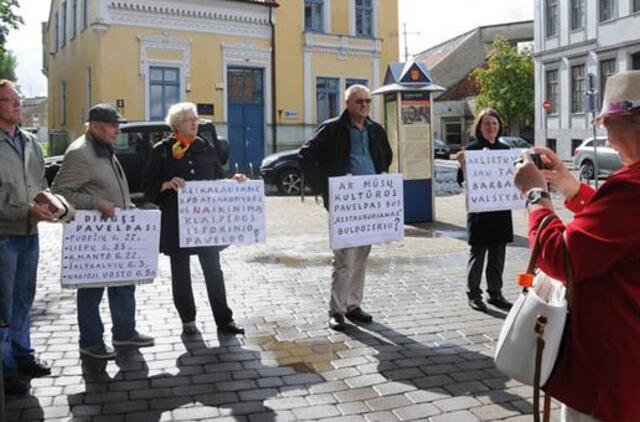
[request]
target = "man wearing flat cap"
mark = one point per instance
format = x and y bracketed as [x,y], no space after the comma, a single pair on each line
[92,178]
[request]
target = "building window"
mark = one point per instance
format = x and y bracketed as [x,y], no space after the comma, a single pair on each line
[636,6]
[63,103]
[577,89]
[56,20]
[327,94]
[64,24]
[453,133]
[164,90]
[575,143]
[74,16]
[635,61]
[364,18]
[314,15]
[551,144]
[607,68]
[577,14]
[85,14]
[607,10]
[552,18]
[553,90]
[350,82]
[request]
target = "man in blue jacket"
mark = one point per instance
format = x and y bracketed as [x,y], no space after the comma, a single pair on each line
[349,144]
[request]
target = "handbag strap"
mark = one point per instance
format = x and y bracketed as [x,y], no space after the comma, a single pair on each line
[542,320]
[536,245]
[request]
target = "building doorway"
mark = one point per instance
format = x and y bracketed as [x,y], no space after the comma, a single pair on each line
[246,118]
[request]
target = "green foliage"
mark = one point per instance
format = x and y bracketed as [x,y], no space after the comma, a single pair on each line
[8,19]
[7,65]
[507,83]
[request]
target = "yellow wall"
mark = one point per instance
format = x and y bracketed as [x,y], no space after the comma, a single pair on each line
[114,59]
[289,60]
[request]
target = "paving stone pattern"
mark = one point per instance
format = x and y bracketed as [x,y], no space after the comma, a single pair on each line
[426,357]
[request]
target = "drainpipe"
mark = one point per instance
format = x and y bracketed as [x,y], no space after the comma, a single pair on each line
[274,103]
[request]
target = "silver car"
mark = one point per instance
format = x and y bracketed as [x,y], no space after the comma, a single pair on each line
[608,158]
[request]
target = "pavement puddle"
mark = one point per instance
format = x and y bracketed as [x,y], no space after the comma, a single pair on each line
[304,356]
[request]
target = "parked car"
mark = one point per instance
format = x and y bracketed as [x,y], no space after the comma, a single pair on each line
[608,158]
[515,141]
[283,170]
[441,149]
[134,145]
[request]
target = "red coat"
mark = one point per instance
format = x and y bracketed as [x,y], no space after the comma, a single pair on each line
[598,370]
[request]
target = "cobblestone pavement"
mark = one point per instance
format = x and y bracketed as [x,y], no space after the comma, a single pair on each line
[427,356]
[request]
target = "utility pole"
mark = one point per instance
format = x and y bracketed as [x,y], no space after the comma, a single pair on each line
[406,44]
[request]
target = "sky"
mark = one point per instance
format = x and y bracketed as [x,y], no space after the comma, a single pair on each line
[435,21]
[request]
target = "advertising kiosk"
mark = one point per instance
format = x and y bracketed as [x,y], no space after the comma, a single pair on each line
[407,94]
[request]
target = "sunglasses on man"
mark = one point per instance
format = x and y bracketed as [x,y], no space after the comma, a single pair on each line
[361,101]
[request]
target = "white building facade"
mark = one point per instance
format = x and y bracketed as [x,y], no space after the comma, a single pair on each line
[575,38]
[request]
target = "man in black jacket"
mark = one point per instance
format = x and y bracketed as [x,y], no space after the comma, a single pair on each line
[349,144]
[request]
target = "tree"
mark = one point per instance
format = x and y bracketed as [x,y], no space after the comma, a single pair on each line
[507,83]
[8,19]
[7,65]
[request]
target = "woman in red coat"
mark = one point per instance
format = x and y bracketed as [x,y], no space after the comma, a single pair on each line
[597,376]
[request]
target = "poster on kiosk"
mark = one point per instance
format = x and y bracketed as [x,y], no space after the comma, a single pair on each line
[407,92]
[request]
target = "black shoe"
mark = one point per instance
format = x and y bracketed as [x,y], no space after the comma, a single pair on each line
[358,315]
[477,304]
[14,386]
[231,328]
[33,367]
[190,331]
[500,302]
[336,322]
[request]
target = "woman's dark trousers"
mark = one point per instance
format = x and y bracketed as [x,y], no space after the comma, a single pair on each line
[183,293]
[495,267]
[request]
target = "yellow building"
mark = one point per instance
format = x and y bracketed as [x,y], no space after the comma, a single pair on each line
[144,55]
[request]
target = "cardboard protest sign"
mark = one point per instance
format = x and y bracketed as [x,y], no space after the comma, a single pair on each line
[116,251]
[364,210]
[221,212]
[489,175]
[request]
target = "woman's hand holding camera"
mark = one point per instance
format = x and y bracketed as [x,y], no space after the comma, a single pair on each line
[556,173]
[528,175]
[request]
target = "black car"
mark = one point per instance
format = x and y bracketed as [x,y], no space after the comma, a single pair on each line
[283,170]
[134,145]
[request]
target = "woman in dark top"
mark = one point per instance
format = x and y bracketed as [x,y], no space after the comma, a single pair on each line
[181,157]
[489,232]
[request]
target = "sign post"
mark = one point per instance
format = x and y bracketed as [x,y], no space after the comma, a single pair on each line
[591,106]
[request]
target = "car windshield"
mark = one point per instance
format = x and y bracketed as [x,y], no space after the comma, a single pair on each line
[600,143]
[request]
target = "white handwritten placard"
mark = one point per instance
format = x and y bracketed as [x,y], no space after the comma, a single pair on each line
[365,210]
[489,175]
[116,251]
[222,212]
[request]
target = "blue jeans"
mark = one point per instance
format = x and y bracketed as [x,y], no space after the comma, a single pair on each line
[18,273]
[122,303]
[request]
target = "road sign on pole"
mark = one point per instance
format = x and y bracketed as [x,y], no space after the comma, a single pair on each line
[546,104]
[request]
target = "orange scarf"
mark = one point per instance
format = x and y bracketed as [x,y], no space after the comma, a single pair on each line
[183,142]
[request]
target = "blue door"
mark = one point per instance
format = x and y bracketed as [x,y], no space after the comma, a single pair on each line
[246,118]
